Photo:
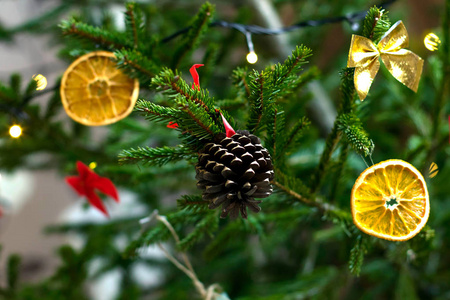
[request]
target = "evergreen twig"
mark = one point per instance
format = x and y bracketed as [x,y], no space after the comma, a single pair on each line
[340,165]
[136,65]
[326,208]
[94,34]
[155,156]
[197,30]
[132,21]
[357,254]
[290,140]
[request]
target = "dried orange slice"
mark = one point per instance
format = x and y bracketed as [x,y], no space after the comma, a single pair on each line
[95,92]
[390,201]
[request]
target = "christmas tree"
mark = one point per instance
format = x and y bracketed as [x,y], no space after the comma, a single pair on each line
[273,177]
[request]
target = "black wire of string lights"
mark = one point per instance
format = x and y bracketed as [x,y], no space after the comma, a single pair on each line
[248,30]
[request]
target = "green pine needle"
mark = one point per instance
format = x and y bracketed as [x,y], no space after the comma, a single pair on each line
[357,137]
[376,24]
[136,65]
[199,27]
[94,35]
[270,85]
[155,156]
[357,254]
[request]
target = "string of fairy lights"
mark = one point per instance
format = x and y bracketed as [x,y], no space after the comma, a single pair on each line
[248,30]
[431,42]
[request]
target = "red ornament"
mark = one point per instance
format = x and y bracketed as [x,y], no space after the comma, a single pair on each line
[195,76]
[87,181]
[228,129]
[196,83]
[172,125]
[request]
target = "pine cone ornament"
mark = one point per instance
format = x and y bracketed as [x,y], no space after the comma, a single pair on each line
[233,171]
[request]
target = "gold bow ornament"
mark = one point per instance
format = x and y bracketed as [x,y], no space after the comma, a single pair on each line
[403,64]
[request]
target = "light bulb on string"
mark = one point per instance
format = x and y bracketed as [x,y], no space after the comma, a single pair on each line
[431,41]
[15,131]
[251,56]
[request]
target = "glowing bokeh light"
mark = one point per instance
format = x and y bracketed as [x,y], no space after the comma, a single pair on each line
[431,41]
[15,131]
[41,81]
[93,165]
[252,57]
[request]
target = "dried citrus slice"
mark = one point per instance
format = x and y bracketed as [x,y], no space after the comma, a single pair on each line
[94,92]
[390,201]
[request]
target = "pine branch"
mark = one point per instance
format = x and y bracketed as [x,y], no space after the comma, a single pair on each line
[155,156]
[351,126]
[257,100]
[299,191]
[286,73]
[195,120]
[197,30]
[375,24]
[155,112]
[131,22]
[273,83]
[198,121]
[233,232]
[306,77]
[357,254]
[339,167]
[322,206]
[347,90]
[240,79]
[291,139]
[207,226]
[193,204]
[172,84]
[330,145]
[94,34]
[196,114]
[275,128]
[137,65]
[210,60]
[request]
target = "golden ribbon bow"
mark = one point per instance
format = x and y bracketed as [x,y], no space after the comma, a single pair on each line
[403,64]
